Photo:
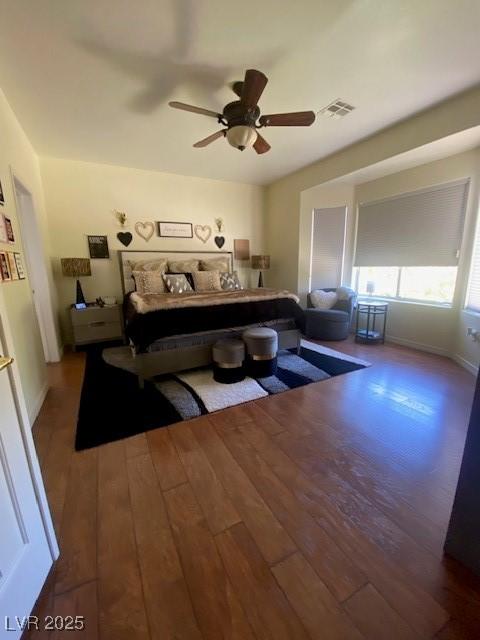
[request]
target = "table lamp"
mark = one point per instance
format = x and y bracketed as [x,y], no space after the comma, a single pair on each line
[261,263]
[76,268]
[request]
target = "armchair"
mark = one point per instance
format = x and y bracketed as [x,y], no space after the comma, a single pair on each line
[334,323]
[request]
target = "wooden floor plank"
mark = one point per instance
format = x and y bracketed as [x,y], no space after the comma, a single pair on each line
[122,613]
[167,601]
[136,445]
[217,608]
[82,602]
[270,536]
[165,458]
[338,572]
[264,603]
[77,563]
[402,592]
[314,604]
[211,495]
[375,618]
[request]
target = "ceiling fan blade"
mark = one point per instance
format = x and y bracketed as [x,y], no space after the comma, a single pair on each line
[253,86]
[200,110]
[294,119]
[261,145]
[206,141]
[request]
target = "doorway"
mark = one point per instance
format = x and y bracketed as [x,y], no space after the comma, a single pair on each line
[36,269]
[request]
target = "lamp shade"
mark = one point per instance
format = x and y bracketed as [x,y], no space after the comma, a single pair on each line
[76,267]
[241,136]
[261,262]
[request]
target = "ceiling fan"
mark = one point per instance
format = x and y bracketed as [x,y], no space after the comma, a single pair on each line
[241,116]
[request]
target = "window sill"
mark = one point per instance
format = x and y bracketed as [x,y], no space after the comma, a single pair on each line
[470,312]
[417,303]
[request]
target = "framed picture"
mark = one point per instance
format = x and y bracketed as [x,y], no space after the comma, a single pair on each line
[3,230]
[12,265]
[4,268]
[9,229]
[2,197]
[98,247]
[175,229]
[19,265]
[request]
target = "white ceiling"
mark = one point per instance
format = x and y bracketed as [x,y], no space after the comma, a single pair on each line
[90,79]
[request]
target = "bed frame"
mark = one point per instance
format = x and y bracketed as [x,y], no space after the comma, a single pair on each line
[184,355]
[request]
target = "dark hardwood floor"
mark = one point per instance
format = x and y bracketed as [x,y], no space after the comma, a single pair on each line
[317,513]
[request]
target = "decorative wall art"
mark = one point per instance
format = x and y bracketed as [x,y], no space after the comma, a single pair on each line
[125,237]
[3,229]
[219,224]
[145,230]
[2,197]
[219,241]
[98,247]
[9,228]
[121,216]
[241,249]
[19,264]
[4,268]
[12,265]
[203,232]
[174,229]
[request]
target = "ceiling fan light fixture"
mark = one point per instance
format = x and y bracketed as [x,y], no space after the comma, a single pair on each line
[241,136]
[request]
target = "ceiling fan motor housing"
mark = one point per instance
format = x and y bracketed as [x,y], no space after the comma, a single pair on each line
[236,113]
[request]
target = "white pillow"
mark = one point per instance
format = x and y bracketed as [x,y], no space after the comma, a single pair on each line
[323,299]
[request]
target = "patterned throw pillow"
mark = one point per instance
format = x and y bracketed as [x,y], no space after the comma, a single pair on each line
[215,264]
[323,299]
[149,282]
[177,283]
[183,266]
[230,281]
[154,264]
[206,280]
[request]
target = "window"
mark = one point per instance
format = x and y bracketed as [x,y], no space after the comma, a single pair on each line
[473,293]
[408,245]
[434,285]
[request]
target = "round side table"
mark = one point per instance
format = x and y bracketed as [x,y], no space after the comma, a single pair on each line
[373,313]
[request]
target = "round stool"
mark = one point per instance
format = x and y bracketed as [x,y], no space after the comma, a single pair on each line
[228,357]
[262,345]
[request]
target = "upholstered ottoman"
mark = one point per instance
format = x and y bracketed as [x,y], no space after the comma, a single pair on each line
[262,346]
[228,357]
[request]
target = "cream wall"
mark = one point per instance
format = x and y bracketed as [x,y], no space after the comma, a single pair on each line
[426,326]
[283,198]
[81,198]
[18,156]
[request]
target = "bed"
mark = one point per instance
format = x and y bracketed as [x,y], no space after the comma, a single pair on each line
[170,332]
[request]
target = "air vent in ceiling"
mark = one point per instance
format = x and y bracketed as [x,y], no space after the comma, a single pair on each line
[337,109]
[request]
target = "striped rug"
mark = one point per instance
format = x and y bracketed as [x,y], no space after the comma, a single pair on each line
[113,407]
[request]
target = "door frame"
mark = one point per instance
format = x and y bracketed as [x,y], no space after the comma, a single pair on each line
[35,260]
[26,432]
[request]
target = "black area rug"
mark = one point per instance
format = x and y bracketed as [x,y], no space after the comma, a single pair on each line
[112,406]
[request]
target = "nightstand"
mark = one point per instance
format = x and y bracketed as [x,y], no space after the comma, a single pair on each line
[96,324]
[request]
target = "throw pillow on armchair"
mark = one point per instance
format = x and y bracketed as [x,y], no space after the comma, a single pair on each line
[323,299]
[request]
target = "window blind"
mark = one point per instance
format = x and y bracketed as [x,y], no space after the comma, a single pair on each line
[473,293]
[328,239]
[419,229]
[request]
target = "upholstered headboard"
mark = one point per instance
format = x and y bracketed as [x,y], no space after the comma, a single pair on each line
[128,256]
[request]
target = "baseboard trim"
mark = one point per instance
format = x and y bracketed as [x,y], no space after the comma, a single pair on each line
[466,364]
[37,405]
[439,351]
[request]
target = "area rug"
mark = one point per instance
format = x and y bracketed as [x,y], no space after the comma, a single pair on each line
[112,406]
